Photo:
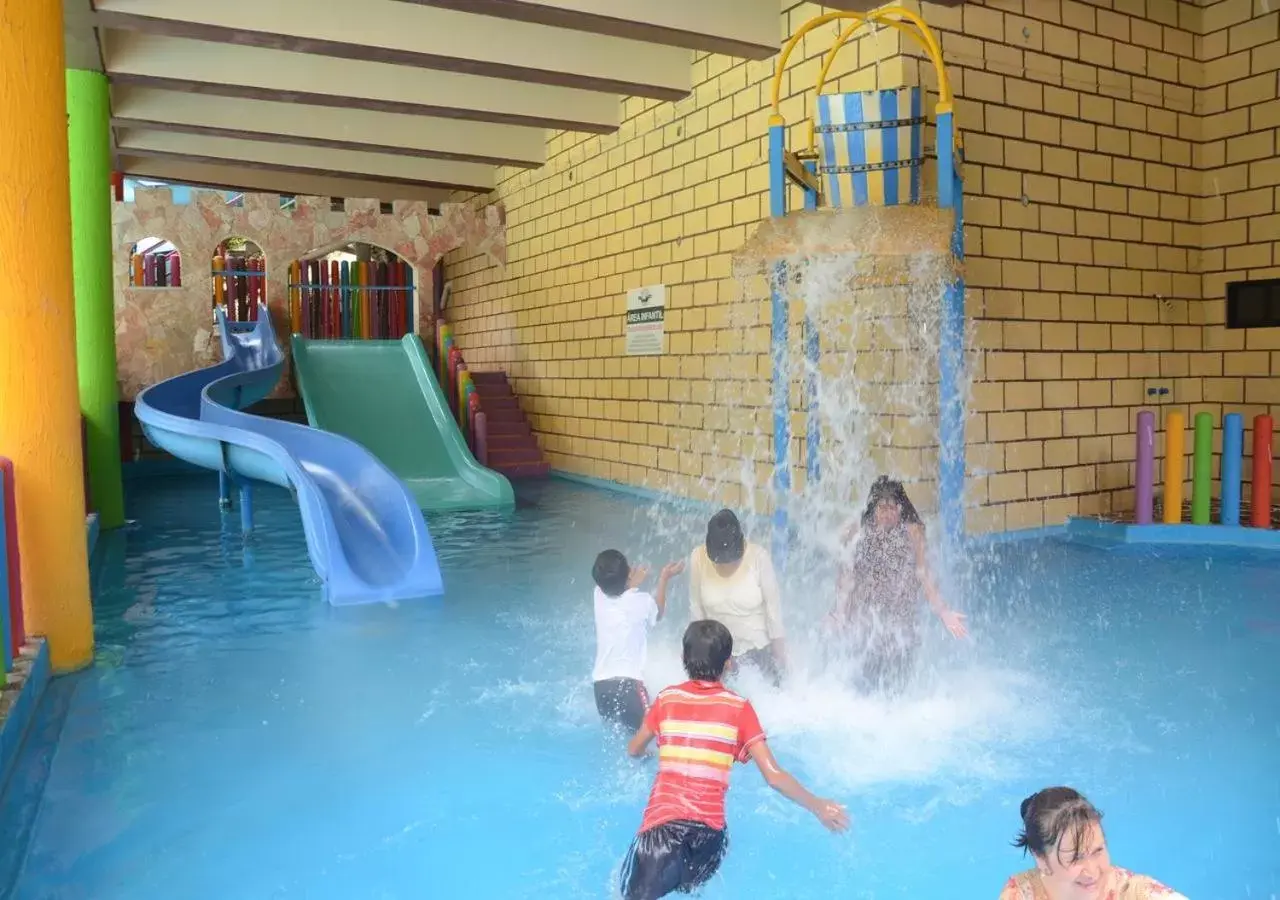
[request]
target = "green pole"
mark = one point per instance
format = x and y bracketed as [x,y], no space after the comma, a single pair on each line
[1202,469]
[88,136]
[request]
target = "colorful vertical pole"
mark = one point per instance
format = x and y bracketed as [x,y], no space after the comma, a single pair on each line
[89,150]
[410,298]
[344,276]
[1173,467]
[8,639]
[781,316]
[366,323]
[294,322]
[1144,470]
[40,411]
[1202,469]
[951,344]
[215,268]
[1260,512]
[13,560]
[1232,456]
[812,358]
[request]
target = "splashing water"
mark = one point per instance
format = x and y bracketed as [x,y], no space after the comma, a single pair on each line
[870,282]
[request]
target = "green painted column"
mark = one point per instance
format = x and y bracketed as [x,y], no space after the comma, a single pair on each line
[89,136]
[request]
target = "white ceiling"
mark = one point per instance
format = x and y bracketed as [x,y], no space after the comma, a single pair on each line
[393,99]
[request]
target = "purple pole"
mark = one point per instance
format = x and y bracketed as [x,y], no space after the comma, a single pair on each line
[1146,463]
[481,434]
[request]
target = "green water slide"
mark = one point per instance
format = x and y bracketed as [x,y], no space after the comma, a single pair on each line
[384,395]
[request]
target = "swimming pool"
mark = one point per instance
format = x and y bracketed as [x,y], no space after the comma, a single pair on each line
[240,739]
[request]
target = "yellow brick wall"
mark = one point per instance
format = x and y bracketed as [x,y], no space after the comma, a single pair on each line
[1107,201]
[1237,205]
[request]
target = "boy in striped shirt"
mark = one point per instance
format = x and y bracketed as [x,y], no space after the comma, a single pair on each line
[702,729]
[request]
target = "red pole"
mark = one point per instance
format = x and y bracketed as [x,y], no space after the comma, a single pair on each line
[1261,505]
[17,629]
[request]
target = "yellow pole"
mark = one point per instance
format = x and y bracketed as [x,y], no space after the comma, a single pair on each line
[1173,466]
[39,393]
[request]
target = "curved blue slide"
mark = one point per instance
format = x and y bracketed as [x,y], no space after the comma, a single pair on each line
[365,533]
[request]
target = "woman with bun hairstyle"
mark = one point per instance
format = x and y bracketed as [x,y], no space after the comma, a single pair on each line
[1063,833]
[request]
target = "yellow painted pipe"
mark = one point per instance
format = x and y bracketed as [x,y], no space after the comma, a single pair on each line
[1174,447]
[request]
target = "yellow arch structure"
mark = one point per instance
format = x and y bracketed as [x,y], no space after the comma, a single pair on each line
[903,20]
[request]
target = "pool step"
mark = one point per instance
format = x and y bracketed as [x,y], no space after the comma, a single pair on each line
[513,448]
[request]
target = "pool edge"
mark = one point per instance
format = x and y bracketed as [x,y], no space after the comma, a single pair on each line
[1096,532]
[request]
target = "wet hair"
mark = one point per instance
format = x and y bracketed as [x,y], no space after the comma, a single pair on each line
[611,572]
[707,648]
[886,488]
[725,542]
[1055,815]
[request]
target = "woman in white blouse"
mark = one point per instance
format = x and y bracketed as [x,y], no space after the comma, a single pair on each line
[733,582]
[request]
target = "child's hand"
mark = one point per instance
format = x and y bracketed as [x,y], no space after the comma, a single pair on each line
[637,577]
[954,623]
[832,815]
[671,570]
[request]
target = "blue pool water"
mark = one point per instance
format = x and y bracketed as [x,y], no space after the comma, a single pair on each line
[239,739]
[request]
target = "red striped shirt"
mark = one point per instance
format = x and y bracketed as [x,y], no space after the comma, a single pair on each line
[702,728]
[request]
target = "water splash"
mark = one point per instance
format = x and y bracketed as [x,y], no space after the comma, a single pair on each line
[870,281]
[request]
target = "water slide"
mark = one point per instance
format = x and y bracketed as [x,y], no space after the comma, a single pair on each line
[365,533]
[384,395]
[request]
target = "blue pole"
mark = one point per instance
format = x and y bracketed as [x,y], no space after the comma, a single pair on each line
[812,354]
[951,349]
[1232,456]
[224,490]
[246,507]
[778,346]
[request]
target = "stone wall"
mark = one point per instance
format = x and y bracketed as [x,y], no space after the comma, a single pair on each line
[163,332]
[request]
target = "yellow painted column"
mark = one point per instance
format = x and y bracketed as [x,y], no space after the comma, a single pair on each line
[39,394]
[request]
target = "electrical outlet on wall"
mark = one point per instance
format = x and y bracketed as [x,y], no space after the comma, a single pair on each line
[1156,392]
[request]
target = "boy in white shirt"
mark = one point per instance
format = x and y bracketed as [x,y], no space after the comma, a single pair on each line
[624,614]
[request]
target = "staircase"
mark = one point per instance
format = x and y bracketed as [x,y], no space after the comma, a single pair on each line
[513,450]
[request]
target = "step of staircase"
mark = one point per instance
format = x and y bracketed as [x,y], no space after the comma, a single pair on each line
[513,448]
[499,456]
[511,442]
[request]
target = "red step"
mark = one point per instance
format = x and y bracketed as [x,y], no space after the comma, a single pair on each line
[513,448]
[525,470]
[503,455]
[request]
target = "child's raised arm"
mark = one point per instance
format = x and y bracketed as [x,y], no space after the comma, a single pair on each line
[831,814]
[669,571]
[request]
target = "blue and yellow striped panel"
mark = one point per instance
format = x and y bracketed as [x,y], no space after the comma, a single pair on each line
[872,147]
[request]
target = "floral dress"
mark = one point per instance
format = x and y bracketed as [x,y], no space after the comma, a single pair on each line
[1125,885]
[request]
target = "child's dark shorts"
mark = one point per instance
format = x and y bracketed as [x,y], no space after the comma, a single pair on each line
[622,700]
[676,856]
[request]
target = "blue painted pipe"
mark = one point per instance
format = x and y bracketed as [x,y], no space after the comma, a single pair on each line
[224,490]
[951,350]
[812,353]
[778,346]
[1232,462]
[246,508]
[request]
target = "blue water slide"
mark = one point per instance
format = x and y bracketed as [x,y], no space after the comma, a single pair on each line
[365,533]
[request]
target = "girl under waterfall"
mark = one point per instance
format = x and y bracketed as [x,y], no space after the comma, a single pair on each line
[883,571]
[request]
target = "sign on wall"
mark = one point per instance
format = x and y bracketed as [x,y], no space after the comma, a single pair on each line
[646,311]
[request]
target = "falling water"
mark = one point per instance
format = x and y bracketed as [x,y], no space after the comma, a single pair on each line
[870,281]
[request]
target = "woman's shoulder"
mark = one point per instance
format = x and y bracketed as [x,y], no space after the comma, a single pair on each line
[1132,886]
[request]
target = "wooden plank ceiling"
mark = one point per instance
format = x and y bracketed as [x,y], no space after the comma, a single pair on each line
[390,99]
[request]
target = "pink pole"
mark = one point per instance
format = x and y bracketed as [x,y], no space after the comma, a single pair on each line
[1145,467]
[481,429]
